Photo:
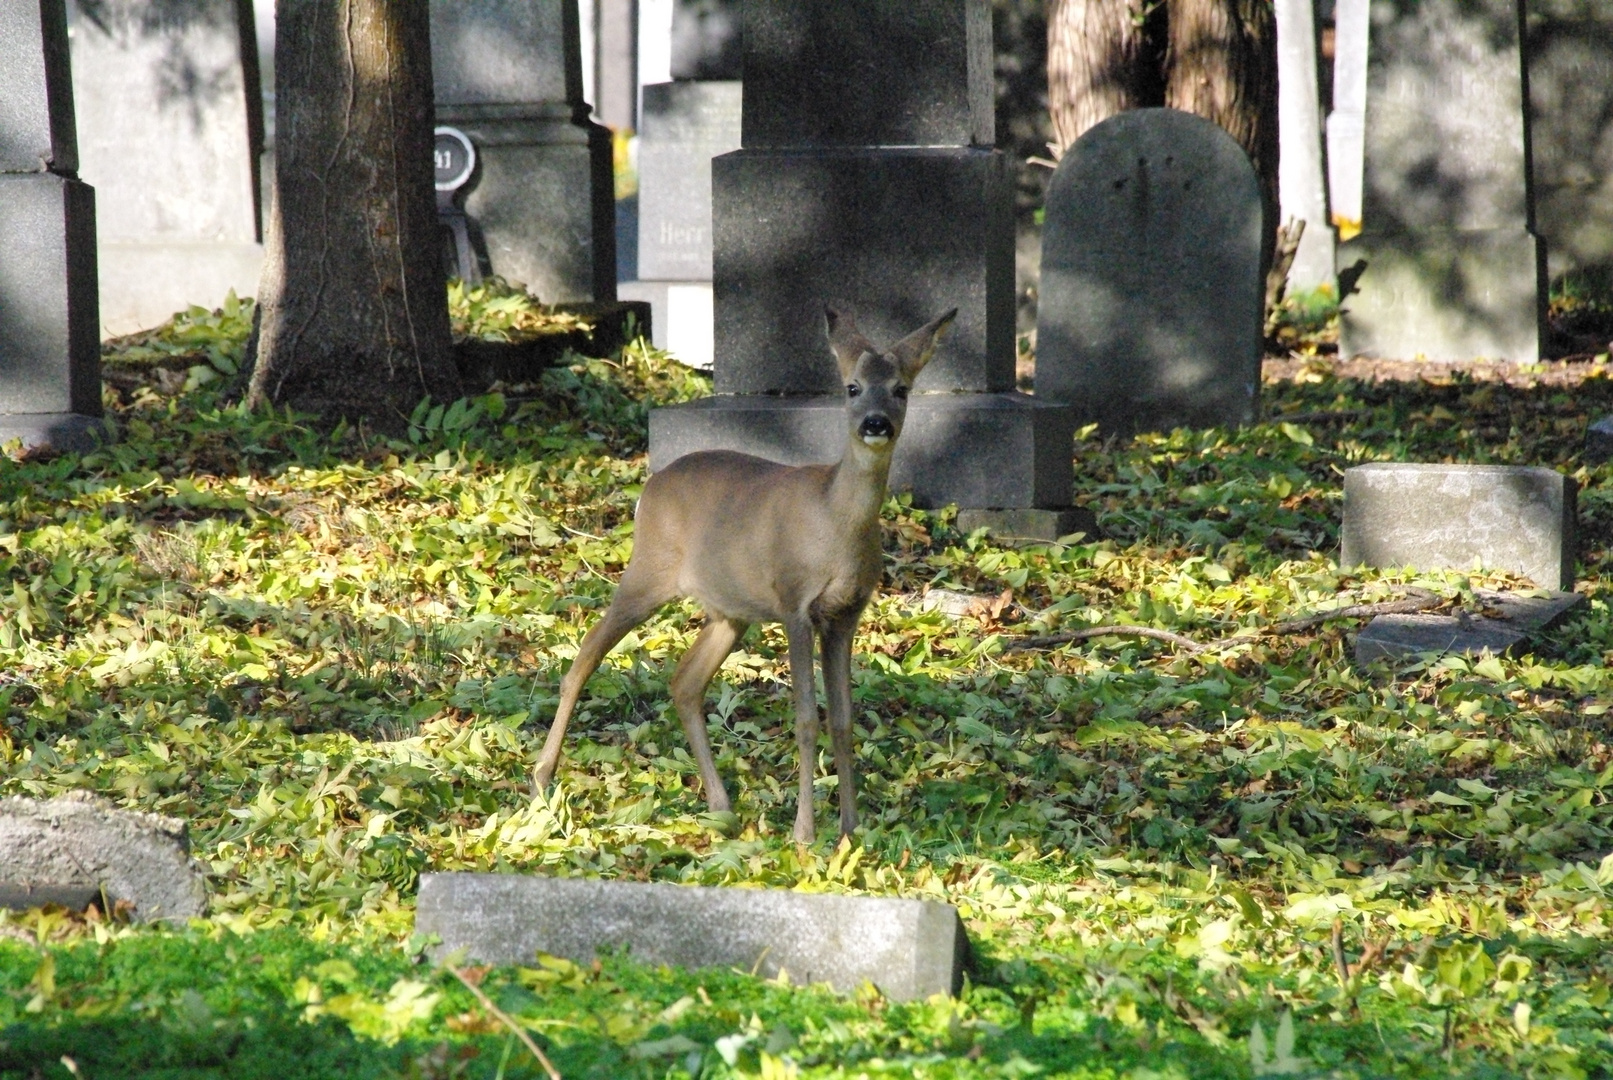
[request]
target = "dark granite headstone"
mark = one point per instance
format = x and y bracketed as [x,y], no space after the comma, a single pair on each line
[169,132]
[1453,271]
[1570,56]
[867,178]
[50,357]
[508,73]
[1435,517]
[706,40]
[1151,298]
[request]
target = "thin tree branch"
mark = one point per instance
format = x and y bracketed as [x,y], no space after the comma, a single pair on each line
[504,1018]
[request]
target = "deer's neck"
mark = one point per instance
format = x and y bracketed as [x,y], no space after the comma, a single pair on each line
[857,488]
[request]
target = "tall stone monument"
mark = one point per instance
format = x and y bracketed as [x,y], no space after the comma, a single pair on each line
[1152,294]
[1301,186]
[1570,50]
[868,176]
[1453,268]
[508,73]
[50,356]
[170,129]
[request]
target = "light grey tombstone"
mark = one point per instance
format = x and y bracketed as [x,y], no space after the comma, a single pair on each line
[73,849]
[1453,270]
[1456,517]
[169,114]
[1150,314]
[685,125]
[910,949]
[1301,188]
[50,358]
[868,176]
[1570,56]
[508,73]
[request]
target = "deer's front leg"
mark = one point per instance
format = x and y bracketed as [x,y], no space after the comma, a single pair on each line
[806,722]
[837,689]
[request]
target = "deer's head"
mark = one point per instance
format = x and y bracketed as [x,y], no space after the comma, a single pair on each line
[878,383]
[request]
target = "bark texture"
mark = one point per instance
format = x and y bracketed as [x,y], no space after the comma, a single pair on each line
[1222,65]
[354,317]
[1102,59]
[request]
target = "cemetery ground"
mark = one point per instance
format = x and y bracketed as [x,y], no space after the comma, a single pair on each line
[334,657]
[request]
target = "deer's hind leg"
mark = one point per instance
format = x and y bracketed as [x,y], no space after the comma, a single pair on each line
[717,639]
[641,591]
[836,662]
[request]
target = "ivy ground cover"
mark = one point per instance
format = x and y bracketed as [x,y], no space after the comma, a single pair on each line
[334,655]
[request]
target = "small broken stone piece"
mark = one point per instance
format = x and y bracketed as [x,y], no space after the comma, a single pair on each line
[1509,621]
[72,849]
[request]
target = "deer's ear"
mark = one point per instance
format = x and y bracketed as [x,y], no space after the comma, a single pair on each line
[915,350]
[845,341]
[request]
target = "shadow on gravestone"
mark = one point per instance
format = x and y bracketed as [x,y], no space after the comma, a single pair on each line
[1151,304]
[1453,271]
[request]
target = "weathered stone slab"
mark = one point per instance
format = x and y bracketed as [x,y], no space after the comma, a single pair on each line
[501,52]
[1452,269]
[908,948]
[989,450]
[684,126]
[1506,626]
[169,132]
[901,234]
[855,73]
[73,848]
[36,89]
[1433,517]
[1150,314]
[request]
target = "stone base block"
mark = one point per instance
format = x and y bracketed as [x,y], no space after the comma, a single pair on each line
[67,432]
[1032,525]
[143,285]
[76,847]
[899,235]
[1509,622]
[50,345]
[1445,294]
[976,450]
[908,948]
[682,321]
[542,200]
[1437,517]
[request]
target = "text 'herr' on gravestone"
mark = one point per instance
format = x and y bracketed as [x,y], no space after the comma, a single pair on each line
[1151,298]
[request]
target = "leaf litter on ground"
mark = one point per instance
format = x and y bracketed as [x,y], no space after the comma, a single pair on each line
[334,655]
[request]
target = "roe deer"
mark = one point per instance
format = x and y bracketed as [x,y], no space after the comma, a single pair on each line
[755,541]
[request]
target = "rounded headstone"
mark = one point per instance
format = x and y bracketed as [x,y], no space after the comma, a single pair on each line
[1151,294]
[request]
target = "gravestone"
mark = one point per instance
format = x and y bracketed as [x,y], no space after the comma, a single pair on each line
[910,949]
[508,73]
[1152,298]
[868,176]
[1453,270]
[1570,56]
[706,40]
[1346,124]
[1301,188]
[74,849]
[1505,624]
[1434,517]
[685,125]
[170,130]
[50,356]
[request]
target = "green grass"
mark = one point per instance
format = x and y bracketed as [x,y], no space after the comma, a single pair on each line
[334,655]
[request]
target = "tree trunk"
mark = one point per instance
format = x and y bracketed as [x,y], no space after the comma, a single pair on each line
[1222,65]
[354,316]
[1101,60]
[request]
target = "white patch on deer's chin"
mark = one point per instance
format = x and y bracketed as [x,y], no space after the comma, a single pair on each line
[876,440]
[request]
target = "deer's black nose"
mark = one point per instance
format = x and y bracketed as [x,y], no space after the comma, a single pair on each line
[876,425]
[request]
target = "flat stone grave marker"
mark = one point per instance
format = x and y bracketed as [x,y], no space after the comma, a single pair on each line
[908,948]
[1507,624]
[1436,517]
[1151,295]
[70,850]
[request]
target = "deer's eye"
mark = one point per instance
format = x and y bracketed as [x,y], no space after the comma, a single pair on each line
[852,389]
[901,392]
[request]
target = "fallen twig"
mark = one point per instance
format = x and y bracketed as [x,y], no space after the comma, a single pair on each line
[1421,601]
[504,1018]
